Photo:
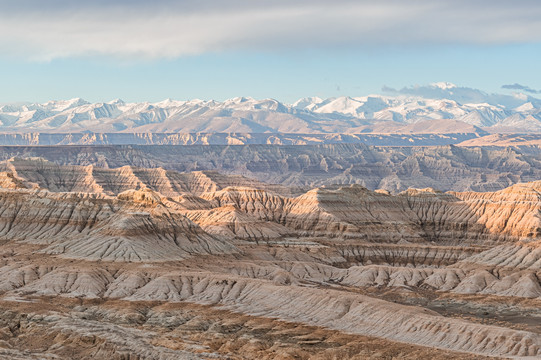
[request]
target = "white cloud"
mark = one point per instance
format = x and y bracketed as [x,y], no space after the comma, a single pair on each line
[158,29]
[463,95]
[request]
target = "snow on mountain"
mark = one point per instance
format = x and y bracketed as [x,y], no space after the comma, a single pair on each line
[411,109]
[308,115]
[64,104]
[307,103]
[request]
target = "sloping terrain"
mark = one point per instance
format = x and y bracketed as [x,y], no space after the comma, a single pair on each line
[155,264]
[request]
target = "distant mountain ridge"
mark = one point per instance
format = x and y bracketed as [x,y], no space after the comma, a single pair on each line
[399,113]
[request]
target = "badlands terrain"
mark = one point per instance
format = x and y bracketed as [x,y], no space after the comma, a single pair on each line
[379,227]
[114,256]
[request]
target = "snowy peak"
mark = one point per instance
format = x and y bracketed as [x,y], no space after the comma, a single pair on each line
[307,103]
[62,105]
[435,103]
[411,109]
[118,102]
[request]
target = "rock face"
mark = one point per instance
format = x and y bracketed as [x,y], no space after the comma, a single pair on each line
[156,264]
[355,212]
[447,168]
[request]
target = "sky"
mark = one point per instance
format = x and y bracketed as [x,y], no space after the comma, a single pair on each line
[216,49]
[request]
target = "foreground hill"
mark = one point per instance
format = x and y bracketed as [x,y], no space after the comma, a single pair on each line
[155,264]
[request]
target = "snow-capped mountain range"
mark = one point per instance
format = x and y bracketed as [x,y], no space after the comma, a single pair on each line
[407,110]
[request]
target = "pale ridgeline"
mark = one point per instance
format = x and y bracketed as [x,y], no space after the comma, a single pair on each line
[94,261]
[449,113]
[447,168]
[412,137]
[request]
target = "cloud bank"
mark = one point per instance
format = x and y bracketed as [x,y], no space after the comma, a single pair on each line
[519,87]
[167,29]
[462,95]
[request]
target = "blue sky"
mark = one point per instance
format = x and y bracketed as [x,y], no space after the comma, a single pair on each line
[137,50]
